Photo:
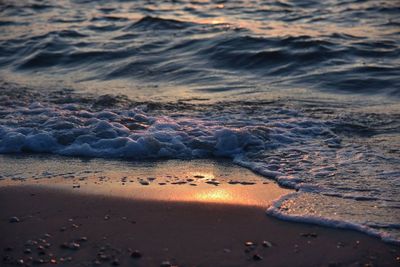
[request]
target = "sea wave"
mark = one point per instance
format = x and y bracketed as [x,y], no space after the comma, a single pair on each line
[207,45]
[311,151]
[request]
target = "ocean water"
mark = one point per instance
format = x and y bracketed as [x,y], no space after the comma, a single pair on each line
[299,91]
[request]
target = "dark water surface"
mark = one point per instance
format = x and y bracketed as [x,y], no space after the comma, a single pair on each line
[299,91]
[213,48]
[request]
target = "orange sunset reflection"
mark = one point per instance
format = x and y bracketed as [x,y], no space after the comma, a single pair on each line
[214,195]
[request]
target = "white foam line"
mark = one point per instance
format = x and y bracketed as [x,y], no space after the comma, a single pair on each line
[273,210]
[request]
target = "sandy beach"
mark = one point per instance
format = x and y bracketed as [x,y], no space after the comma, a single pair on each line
[53,221]
[204,133]
[108,230]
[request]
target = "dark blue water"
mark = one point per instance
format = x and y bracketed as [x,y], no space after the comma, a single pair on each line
[207,47]
[303,92]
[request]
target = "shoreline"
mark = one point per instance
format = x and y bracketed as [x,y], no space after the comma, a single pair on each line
[182,233]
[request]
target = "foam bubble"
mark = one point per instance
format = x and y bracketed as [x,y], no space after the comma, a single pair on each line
[298,151]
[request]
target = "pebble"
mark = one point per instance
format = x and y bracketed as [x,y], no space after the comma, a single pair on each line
[179,182]
[30,242]
[83,239]
[257,257]
[309,234]
[104,257]
[144,183]
[72,245]
[14,219]
[136,254]
[247,183]
[27,251]
[266,244]
[249,244]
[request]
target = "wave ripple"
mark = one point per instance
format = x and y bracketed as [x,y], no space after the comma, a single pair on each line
[195,45]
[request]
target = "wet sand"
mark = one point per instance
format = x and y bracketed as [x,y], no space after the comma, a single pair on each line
[109,229]
[193,213]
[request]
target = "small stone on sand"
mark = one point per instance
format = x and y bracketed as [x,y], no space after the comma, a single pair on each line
[82,239]
[216,183]
[257,257]
[136,254]
[247,183]
[14,219]
[103,257]
[266,244]
[309,234]
[72,245]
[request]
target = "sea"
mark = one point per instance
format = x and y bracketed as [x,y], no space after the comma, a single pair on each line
[304,92]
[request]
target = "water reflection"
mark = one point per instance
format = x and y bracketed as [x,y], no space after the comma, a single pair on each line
[206,181]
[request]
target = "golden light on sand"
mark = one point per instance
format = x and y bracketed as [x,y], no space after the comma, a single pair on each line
[214,195]
[202,175]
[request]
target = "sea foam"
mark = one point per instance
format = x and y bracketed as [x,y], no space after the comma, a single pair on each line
[302,151]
